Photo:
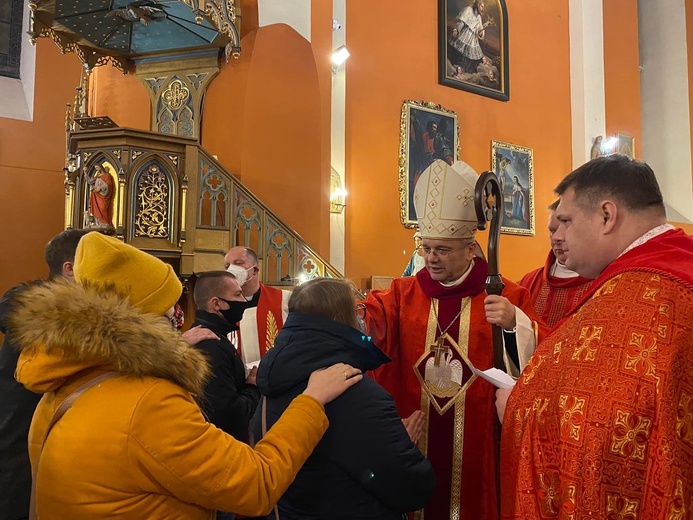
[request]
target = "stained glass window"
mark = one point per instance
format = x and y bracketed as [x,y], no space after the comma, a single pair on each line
[11,36]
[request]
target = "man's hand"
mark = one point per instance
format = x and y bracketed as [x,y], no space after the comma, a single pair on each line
[414,424]
[502,395]
[197,334]
[327,384]
[499,311]
[252,376]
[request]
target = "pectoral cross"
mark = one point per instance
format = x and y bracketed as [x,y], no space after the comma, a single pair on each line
[439,348]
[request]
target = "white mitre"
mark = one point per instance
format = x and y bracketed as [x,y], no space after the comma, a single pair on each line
[444,201]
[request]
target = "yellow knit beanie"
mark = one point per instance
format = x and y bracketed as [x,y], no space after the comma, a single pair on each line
[150,284]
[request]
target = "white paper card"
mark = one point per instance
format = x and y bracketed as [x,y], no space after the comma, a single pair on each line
[496,377]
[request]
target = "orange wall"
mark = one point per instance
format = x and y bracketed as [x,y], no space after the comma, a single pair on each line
[121,97]
[32,156]
[393,58]
[265,118]
[622,70]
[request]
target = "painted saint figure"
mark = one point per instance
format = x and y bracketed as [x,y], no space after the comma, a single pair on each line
[470,29]
[100,196]
[520,209]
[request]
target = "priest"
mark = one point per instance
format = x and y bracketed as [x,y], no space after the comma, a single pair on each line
[554,288]
[435,326]
[600,423]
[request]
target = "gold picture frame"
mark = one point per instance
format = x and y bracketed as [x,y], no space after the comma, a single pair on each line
[514,167]
[428,131]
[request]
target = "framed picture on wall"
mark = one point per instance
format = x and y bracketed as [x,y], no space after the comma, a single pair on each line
[514,166]
[473,46]
[427,132]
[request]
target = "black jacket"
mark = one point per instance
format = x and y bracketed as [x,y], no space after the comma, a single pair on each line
[17,407]
[228,402]
[365,467]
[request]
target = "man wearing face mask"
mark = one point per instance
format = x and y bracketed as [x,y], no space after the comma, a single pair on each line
[230,398]
[267,307]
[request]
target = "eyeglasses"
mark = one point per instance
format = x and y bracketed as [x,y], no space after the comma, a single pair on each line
[361,311]
[438,252]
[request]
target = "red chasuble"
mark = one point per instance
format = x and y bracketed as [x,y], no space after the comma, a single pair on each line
[458,406]
[553,297]
[600,424]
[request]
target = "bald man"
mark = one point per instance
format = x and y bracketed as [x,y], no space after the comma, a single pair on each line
[267,307]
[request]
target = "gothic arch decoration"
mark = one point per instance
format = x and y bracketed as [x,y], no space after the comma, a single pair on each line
[278,258]
[176,90]
[309,266]
[213,206]
[247,223]
[174,112]
[153,189]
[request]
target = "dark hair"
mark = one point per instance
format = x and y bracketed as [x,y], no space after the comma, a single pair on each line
[616,176]
[328,297]
[207,286]
[554,205]
[61,248]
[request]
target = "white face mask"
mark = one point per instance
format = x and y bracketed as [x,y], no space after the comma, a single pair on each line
[240,273]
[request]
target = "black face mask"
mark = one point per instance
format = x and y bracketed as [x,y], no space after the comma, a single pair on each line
[235,311]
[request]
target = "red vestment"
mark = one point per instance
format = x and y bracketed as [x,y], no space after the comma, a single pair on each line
[459,435]
[100,205]
[600,424]
[553,297]
[260,325]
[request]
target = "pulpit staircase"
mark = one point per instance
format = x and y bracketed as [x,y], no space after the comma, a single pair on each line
[175,200]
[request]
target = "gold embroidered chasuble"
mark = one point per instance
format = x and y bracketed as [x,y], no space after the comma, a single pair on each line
[600,424]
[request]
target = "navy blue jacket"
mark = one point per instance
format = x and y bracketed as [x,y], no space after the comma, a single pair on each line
[365,467]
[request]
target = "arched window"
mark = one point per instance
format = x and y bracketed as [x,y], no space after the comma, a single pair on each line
[11,37]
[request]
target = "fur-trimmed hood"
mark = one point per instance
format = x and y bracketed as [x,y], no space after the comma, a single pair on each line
[63,328]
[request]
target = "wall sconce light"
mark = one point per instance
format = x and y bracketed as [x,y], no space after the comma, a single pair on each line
[338,200]
[339,56]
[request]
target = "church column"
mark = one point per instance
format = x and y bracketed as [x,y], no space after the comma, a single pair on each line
[665,101]
[337,235]
[586,76]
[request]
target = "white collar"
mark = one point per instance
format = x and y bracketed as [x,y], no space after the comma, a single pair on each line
[649,235]
[461,278]
[559,270]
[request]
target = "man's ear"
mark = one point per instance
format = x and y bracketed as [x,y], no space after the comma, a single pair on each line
[609,214]
[68,269]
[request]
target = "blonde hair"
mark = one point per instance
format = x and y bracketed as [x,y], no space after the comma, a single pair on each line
[328,297]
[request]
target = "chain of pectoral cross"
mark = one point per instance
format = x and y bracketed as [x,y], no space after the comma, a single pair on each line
[439,346]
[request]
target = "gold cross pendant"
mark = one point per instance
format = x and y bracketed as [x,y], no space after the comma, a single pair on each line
[439,348]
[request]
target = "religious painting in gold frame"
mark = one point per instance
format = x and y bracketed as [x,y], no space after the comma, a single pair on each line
[514,167]
[428,132]
[473,46]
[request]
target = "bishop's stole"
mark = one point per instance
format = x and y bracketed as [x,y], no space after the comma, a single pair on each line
[459,407]
[600,424]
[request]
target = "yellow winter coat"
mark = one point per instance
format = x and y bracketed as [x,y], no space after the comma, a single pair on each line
[137,446]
